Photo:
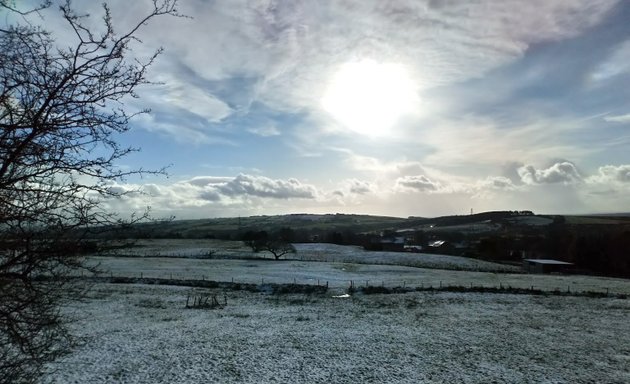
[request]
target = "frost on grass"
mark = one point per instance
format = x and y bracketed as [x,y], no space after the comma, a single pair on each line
[224,249]
[141,334]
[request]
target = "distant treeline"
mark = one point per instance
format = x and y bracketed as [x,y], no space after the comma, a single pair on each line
[600,249]
[593,248]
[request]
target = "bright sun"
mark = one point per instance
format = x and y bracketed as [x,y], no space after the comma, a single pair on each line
[369,97]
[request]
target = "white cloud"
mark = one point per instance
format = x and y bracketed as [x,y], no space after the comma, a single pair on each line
[359,187]
[195,100]
[351,192]
[418,183]
[256,59]
[204,196]
[618,119]
[152,189]
[261,186]
[265,130]
[499,183]
[492,188]
[355,187]
[202,181]
[611,174]
[617,64]
[562,172]
[293,48]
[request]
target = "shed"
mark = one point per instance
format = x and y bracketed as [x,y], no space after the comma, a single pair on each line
[545,266]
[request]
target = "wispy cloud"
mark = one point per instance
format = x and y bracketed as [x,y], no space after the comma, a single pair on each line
[616,64]
[294,48]
[522,83]
[265,130]
[618,119]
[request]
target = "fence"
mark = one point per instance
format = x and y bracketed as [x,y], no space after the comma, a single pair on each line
[263,283]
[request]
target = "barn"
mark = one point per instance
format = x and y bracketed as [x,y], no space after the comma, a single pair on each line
[546,266]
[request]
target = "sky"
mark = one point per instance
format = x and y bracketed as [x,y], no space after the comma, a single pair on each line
[398,108]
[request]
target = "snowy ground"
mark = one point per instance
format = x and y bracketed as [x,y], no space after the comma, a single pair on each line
[340,274]
[353,254]
[143,334]
[200,248]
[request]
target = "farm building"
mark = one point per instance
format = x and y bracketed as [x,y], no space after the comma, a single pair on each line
[545,266]
[440,247]
[394,244]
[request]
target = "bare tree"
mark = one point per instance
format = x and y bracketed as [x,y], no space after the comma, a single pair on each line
[278,248]
[61,111]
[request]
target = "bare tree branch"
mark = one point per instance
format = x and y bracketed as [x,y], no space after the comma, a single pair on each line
[61,113]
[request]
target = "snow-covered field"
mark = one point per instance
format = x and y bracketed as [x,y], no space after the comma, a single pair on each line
[353,254]
[143,334]
[340,274]
[200,248]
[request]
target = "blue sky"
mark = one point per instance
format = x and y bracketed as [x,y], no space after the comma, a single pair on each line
[398,108]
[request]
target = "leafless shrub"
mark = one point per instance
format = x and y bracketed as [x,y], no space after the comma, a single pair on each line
[200,301]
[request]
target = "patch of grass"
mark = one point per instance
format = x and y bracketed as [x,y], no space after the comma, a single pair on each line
[151,303]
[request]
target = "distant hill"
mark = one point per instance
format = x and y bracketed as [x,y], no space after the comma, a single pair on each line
[314,223]
[228,227]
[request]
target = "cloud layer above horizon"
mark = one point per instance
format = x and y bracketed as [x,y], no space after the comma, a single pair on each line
[513,105]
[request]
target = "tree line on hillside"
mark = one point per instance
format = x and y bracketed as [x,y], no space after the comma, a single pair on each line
[599,249]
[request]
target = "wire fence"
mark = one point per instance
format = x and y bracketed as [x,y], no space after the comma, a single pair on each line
[262,283]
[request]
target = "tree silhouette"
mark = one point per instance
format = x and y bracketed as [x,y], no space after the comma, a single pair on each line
[279,248]
[61,111]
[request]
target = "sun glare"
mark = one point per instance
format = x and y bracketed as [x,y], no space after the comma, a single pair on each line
[369,97]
